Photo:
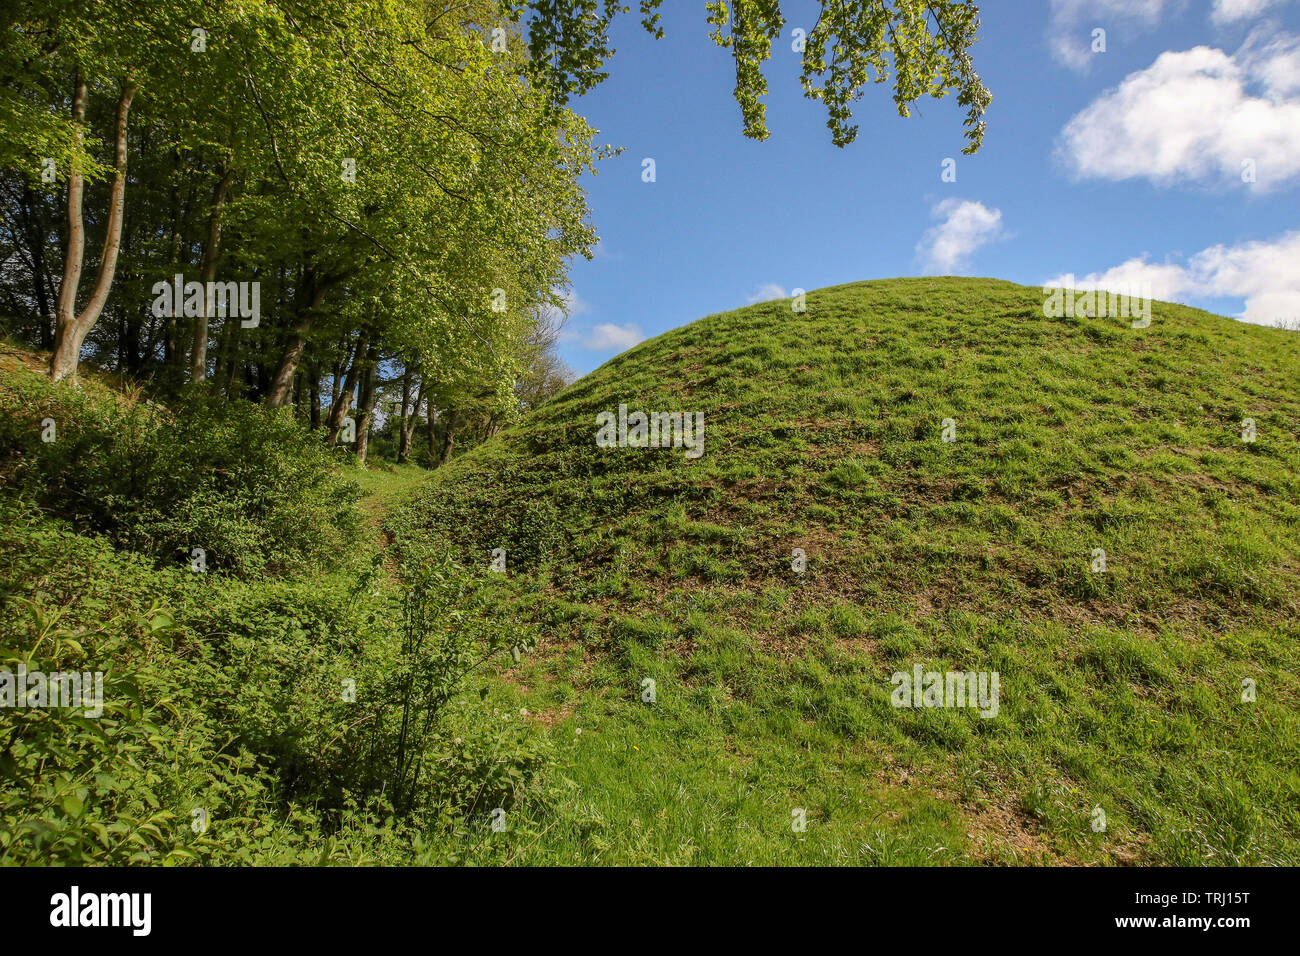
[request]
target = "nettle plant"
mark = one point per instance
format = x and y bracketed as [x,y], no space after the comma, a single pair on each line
[92,778]
[397,724]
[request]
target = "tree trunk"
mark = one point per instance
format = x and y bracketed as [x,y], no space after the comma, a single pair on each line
[128,359]
[208,274]
[170,350]
[448,436]
[408,424]
[315,397]
[123,346]
[66,351]
[70,326]
[432,430]
[230,361]
[228,357]
[336,377]
[282,386]
[403,435]
[367,401]
[343,404]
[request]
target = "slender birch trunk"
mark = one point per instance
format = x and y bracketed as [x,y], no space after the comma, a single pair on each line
[70,326]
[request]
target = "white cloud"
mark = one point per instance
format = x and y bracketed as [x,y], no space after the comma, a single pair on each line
[1265,273]
[1168,282]
[767,292]
[967,225]
[1071,22]
[607,335]
[1070,26]
[1192,116]
[1275,65]
[573,303]
[1230,11]
[601,337]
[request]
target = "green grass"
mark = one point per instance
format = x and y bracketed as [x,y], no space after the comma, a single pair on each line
[273,700]
[1120,690]
[385,486]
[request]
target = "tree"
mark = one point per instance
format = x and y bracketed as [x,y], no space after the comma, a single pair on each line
[397,177]
[923,44]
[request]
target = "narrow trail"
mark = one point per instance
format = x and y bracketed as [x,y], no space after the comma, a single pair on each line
[385,489]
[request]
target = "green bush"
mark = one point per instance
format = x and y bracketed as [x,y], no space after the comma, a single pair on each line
[228,703]
[248,485]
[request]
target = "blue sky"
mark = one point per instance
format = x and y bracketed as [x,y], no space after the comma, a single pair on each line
[1117,166]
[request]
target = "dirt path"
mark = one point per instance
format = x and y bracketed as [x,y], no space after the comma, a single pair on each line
[385,489]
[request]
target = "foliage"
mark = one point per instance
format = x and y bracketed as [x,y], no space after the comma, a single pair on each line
[925,42]
[225,736]
[246,484]
[328,709]
[246,162]
[401,181]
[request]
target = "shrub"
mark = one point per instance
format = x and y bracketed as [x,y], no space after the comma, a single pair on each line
[223,695]
[247,484]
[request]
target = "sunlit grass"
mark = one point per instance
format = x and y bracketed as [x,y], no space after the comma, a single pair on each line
[1120,690]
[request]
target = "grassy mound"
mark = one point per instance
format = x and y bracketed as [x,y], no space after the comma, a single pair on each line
[1121,733]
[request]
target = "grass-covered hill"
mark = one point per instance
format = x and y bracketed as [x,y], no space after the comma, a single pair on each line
[1121,690]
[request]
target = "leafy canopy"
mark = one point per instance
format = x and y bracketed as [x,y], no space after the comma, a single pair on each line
[923,45]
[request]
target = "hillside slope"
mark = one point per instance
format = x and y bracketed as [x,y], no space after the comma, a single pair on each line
[1121,732]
